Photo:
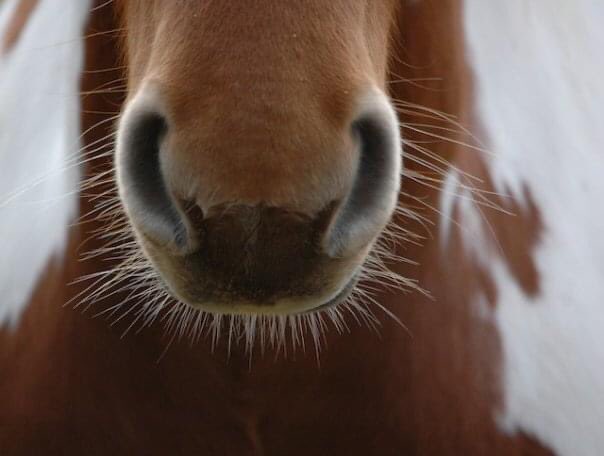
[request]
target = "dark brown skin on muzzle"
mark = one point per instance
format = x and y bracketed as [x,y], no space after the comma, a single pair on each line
[258,254]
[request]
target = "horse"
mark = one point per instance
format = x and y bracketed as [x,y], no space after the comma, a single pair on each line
[301,227]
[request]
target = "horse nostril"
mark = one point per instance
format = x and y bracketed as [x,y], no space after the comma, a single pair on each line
[374,193]
[142,184]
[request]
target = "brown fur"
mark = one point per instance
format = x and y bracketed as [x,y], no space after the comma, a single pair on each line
[70,385]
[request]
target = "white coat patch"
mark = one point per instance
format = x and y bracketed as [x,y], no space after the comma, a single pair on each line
[39,144]
[539,76]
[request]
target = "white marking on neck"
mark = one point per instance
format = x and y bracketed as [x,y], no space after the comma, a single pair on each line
[538,68]
[39,139]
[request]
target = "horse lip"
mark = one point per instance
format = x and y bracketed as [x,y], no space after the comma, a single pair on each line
[342,295]
[339,298]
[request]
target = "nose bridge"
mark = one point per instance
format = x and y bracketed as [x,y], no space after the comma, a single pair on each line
[275,142]
[260,108]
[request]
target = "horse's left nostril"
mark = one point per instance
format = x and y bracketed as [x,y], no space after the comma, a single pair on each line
[142,184]
[374,193]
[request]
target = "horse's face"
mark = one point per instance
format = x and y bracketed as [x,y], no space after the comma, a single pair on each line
[258,157]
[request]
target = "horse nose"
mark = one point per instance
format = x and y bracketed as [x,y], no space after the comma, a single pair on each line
[340,227]
[242,250]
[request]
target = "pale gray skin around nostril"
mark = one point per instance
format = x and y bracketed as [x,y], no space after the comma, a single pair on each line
[374,192]
[143,186]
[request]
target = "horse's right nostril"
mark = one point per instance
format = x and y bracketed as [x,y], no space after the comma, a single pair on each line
[142,185]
